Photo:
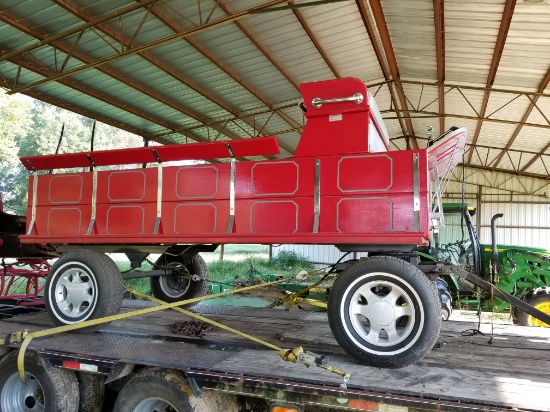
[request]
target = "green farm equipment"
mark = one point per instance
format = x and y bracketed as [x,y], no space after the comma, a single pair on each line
[523,272]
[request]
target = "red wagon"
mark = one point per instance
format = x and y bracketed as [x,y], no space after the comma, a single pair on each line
[342,187]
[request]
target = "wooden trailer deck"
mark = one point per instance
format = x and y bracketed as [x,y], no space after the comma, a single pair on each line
[464,373]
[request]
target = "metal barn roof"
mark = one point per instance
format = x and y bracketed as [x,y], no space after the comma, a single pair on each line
[202,70]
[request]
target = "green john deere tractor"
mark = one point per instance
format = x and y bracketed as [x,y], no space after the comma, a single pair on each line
[524,272]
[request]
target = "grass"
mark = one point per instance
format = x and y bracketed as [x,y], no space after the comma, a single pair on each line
[240,262]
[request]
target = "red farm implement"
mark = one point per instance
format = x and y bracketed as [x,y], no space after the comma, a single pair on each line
[23,267]
[342,187]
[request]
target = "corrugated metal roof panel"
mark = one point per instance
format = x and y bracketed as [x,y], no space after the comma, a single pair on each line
[465,102]
[540,166]
[411,27]
[471,30]
[200,71]
[284,38]
[495,134]
[532,139]
[526,54]
[235,50]
[514,160]
[333,26]
[507,106]
[541,112]
[43,17]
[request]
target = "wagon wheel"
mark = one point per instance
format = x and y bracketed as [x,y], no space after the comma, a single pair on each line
[45,388]
[83,285]
[384,312]
[187,278]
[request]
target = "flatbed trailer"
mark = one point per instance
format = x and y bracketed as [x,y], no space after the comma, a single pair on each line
[465,371]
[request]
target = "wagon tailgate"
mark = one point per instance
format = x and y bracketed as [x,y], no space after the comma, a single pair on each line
[446,152]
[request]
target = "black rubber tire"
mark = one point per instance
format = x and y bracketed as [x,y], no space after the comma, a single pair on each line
[92,392]
[49,389]
[94,269]
[174,288]
[539,297]
[445,298]
[415,294]
[154,385]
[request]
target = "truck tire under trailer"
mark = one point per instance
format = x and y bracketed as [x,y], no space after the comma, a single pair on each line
[46,388]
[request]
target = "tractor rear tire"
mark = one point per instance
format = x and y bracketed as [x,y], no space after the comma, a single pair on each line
[83,285]
[539,299]
[174,288]
[384,312]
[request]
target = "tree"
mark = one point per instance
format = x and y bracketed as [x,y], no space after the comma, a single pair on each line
[31,127]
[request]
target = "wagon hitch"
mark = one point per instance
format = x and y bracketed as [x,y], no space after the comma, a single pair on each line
[483,284]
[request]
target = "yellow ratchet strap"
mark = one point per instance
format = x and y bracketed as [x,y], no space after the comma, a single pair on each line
[67,328]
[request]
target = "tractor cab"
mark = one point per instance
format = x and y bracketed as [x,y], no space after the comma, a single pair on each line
[457,242]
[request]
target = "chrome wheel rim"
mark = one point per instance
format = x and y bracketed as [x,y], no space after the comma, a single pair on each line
[75,292]
[384,314]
